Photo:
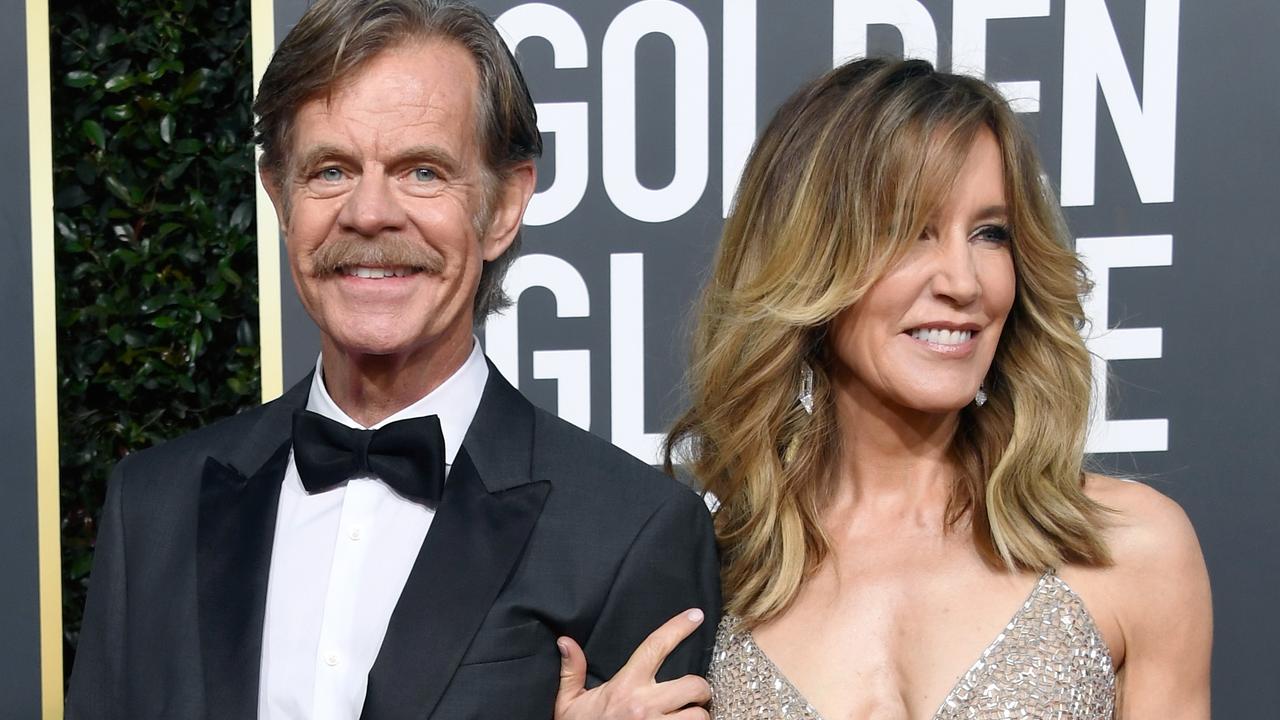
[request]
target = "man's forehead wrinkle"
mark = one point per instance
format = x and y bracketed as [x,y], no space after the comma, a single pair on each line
[391,111]
[415,100]
[369,126]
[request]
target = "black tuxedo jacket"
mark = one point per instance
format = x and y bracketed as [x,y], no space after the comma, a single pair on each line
[543,530]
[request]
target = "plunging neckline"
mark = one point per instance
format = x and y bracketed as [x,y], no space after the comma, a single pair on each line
[977,665]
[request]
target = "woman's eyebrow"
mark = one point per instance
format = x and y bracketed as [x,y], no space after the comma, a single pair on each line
[992,211]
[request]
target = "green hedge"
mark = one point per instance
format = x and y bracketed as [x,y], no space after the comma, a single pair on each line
[156,258]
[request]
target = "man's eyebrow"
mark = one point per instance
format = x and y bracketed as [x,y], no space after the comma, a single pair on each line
[321,153]
[427,154]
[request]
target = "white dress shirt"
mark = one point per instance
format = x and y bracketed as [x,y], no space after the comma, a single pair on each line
[339,561]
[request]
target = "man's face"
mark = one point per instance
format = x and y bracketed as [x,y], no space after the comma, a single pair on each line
[384,205]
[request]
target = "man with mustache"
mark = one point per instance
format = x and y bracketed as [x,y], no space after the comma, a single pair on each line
[402,534]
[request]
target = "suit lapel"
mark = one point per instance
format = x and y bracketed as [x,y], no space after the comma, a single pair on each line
[233,556]
[490,506]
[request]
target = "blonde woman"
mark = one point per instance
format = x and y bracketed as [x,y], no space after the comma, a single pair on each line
[889,398]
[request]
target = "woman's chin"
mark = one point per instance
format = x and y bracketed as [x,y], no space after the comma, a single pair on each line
[935,403]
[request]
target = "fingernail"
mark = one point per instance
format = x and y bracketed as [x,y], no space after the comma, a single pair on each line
[694,615]
[564,649]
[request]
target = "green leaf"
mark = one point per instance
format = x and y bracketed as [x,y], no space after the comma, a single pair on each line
[242,216]
[193,83]
[79,78]
[93,131]
[188,146]
[119,112]
[164,322]
[175,171]
[168,229]
[117,188]
[119,83]
[156,65]
[66,228]
[70,196]
[80,566]
[153,303]
[245,336]
[230,275]
[83,270]
[166,129]
[196,345]
[86,173]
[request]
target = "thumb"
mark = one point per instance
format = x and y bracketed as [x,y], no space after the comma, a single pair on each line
[573,674]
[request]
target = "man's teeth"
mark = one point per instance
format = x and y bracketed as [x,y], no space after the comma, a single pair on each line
[376,272]
[938,336]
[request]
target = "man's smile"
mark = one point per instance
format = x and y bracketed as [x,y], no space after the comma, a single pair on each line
[378,273]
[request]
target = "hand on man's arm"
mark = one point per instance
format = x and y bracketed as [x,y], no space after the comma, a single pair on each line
[672,566]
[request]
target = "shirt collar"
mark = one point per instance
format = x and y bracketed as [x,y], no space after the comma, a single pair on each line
[454,401]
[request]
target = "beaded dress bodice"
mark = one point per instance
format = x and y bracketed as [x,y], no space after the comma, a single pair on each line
[1049,662]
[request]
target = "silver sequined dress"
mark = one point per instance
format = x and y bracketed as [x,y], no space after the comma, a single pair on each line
[1050,663]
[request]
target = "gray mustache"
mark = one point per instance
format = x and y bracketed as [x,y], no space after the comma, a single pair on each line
[392,250]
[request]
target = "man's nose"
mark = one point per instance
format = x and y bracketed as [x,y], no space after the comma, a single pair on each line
[372,207]
[955,274]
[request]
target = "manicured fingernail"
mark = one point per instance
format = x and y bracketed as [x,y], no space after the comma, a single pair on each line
[564,649]
[694,615]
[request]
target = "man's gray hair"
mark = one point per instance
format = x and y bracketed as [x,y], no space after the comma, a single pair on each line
[335,38]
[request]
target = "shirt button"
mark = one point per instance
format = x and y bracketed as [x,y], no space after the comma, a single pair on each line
[355,533]
[331,659]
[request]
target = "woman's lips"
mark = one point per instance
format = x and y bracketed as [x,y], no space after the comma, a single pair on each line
[952,343]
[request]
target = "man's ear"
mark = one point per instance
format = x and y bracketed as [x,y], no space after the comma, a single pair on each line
[271,182]
[510,199]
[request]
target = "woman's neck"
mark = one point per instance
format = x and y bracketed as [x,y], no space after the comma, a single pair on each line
[894,464]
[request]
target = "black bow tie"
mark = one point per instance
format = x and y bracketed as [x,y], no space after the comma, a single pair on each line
[407,455]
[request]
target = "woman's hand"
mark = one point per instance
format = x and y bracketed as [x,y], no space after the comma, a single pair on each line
[633,694]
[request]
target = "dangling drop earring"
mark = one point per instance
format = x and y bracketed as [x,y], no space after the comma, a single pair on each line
[980,398]
[806,388]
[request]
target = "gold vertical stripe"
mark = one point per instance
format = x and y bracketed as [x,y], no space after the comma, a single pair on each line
[44,310]
[263,31]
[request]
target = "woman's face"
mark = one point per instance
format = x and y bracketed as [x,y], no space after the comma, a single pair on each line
[924,334]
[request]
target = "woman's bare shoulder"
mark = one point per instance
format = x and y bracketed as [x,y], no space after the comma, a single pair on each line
[1155,594]
[1157,579]
[1145,529]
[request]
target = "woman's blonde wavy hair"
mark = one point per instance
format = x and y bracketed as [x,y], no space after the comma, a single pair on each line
[839,186]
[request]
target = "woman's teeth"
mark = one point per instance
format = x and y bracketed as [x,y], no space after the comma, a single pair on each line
[938,336]
[376,272]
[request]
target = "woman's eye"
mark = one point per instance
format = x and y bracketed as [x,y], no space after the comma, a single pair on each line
[424,174]
[330,174]
[994,233]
